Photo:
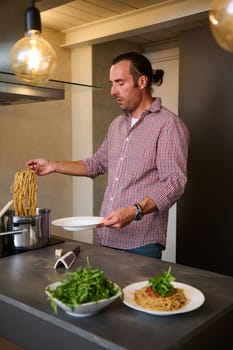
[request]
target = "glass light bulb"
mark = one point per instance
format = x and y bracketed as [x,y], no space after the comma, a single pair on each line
[221,23]
[32,58]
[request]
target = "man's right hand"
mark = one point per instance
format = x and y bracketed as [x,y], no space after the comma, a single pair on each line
[42,166]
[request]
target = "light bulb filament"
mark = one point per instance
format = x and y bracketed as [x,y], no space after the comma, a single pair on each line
[33,59]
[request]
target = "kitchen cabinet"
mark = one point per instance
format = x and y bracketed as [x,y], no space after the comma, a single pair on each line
[28,320]
[204,213]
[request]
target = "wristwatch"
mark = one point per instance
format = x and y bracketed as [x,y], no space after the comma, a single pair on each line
[139,213]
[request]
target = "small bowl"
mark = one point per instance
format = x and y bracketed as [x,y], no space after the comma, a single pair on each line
[86,309]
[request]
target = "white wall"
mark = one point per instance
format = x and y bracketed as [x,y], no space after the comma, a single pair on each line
[168,60]
[82,143]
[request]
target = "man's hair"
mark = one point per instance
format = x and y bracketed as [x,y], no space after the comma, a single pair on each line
[140,65]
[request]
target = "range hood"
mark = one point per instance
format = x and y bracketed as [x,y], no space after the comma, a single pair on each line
[12,89]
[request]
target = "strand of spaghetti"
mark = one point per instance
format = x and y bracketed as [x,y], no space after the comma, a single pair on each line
[32,193]
[24,190]
[169,303]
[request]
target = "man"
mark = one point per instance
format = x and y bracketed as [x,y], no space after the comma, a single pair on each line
[145,155]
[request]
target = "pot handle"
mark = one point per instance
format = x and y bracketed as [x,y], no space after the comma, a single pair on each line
[24,222]
[9,233]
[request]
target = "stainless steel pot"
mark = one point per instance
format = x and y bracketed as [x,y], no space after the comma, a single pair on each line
[36,229]
[5,239]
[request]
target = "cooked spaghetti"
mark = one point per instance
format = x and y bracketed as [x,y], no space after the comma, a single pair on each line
[151,300]
[24,191]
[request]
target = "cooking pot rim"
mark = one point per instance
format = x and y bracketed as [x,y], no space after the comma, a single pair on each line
[39,212]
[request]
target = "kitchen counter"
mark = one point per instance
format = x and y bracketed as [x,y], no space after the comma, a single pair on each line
[27,319]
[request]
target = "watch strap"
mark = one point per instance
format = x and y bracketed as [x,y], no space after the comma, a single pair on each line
[139,213]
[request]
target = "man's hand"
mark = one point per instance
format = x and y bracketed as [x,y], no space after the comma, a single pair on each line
[119,218]
[124,216]
[42,166]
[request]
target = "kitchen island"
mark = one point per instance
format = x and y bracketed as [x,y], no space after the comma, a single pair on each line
[27,319]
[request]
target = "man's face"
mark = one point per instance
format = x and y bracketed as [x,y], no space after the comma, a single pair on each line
[123,86]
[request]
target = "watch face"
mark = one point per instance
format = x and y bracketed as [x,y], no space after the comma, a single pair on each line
[139,213]
[139,216]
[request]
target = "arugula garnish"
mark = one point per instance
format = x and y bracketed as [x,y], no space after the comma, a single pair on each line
[82,286]
[161,284]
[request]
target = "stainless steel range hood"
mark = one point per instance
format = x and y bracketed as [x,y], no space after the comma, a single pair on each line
[16,94]
[12,90]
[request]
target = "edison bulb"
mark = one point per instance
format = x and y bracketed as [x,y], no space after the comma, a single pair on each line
[32,58]
[221,23]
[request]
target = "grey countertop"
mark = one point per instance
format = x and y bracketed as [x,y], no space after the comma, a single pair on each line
[27,318]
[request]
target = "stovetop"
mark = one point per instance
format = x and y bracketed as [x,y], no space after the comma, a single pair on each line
[53,240]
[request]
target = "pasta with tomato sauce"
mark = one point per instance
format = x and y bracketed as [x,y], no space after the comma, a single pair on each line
[148,299]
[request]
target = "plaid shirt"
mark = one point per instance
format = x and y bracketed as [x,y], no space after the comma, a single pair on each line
[146,160]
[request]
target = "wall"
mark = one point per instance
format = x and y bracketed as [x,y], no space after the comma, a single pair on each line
[82,130]
[39,130]
[204,226]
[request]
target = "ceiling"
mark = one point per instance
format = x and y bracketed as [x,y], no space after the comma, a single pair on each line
[62,15]
[79,12]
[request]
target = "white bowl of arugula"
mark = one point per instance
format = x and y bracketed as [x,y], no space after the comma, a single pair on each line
[84,293]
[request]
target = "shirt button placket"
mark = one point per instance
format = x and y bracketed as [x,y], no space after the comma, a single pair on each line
[116,182]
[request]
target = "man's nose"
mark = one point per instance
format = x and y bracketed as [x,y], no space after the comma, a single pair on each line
[114,91]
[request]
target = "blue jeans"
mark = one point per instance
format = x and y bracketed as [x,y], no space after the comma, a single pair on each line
[153,250]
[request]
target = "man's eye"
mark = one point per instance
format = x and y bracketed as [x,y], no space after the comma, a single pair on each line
[121,83]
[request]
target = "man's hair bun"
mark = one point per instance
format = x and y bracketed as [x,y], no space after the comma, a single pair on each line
[158,76]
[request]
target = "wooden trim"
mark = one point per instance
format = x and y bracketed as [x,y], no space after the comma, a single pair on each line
[7,345]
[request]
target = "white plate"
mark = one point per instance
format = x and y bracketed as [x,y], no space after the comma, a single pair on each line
[78,223]
[86,309]
[195,297]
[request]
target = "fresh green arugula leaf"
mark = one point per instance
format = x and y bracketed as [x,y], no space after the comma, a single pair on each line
[82,286]
[161,284]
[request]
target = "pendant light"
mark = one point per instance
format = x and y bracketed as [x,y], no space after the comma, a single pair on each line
[221,23]
[32,58]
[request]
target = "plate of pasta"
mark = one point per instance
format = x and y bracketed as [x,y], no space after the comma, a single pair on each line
[78,223]
[185,299]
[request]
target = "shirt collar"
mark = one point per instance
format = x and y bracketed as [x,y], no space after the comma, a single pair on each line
[154,107]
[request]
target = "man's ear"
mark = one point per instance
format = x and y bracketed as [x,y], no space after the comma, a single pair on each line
[142,81]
